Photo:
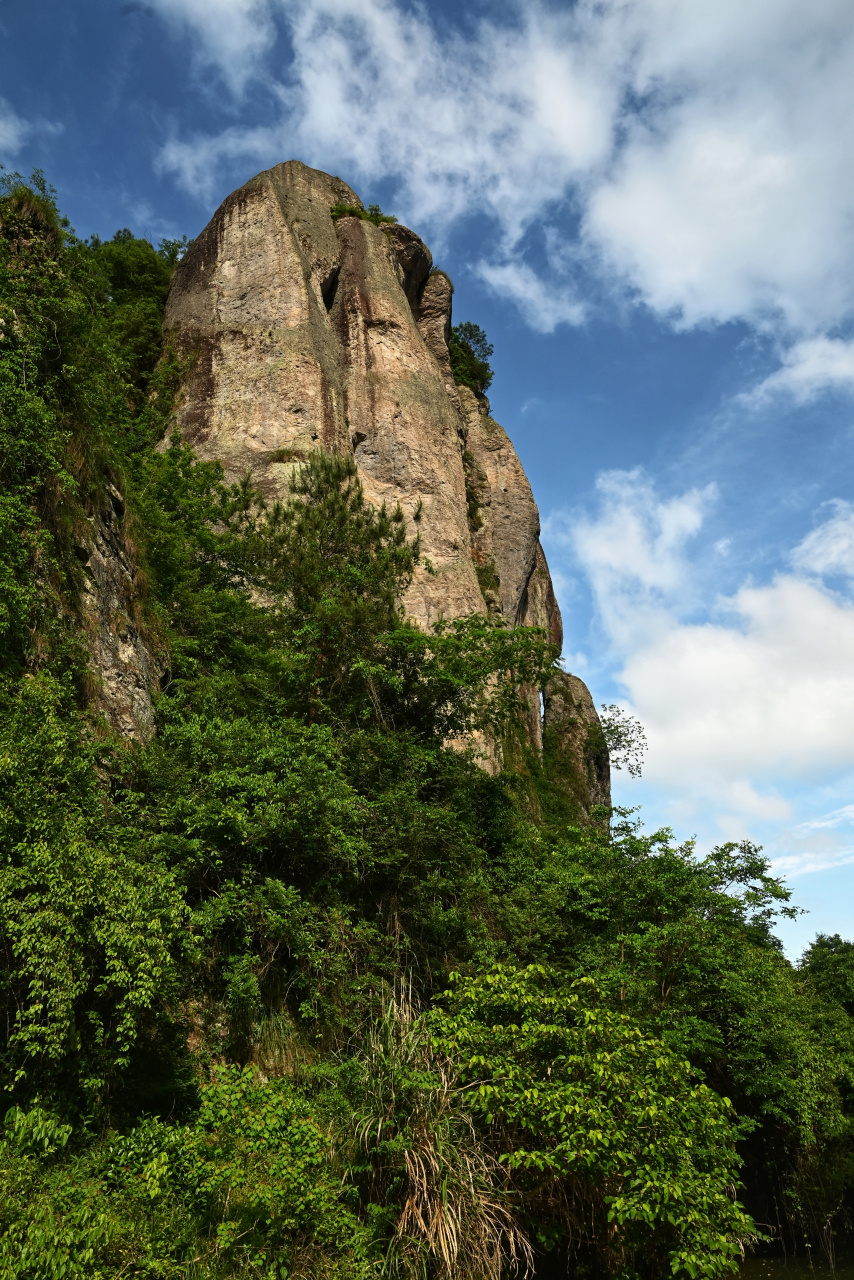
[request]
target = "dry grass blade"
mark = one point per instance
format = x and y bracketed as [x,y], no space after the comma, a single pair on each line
[427,1159]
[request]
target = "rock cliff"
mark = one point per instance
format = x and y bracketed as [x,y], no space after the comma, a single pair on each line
[301,332]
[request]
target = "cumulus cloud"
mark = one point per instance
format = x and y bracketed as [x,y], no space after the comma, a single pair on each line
[765,688]
[699,159]
[732,195]
[634,552]
[755,697]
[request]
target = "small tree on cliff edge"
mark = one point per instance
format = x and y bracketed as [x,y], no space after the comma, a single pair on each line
[470,352]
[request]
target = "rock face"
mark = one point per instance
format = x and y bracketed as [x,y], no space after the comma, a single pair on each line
[575,754]
[305,332]
[122,663]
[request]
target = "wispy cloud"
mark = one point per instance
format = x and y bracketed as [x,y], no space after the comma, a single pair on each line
[13,131]
[836,818]
[818,844]
[544,304]
[829,548]
[232,36]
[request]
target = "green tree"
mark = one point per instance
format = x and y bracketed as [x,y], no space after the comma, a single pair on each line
[613,1146]
[470,352]
[89,922]
[137,280]
[686,946]
[828,964]
[80,334]
[308,824]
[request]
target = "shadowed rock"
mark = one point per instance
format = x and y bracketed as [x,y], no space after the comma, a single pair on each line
[124,667]
[575,755]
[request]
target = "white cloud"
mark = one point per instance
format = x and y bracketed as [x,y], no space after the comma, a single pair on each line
[732,197]
[836,818]
[13,130]
[810,367]
[829,548]
[504,121]
[543,306]
[232,35]
[634,552]
[819,843]
[707,150]
[198,161]
[746,706]
[767,689]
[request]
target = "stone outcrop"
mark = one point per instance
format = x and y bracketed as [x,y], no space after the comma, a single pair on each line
[505,525]
[123,665]
[299,332]
[575,755]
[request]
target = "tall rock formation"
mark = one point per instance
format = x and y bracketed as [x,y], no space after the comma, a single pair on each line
[305,332]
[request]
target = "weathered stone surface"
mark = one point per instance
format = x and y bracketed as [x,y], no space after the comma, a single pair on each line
[505,535]
[123,666]
[414,260]
[504,517]
[248,307]
[403,427]
[575,755]
[433,314]
[538,606]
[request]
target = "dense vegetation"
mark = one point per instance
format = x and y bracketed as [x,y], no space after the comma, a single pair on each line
[294,989]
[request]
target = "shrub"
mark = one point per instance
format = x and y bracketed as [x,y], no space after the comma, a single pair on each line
[438,271]
[373,213]
[446,1212]
[262,1168]
[88,924]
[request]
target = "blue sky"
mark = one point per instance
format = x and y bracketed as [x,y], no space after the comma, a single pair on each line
[649,205]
